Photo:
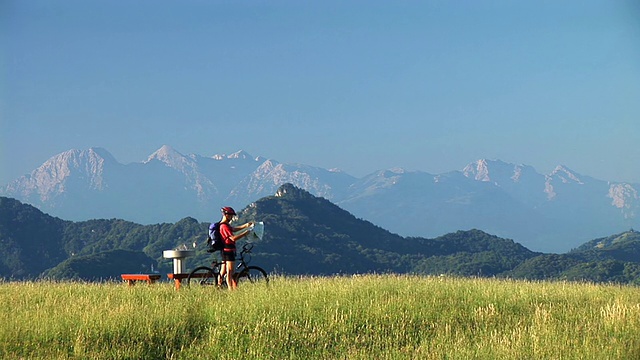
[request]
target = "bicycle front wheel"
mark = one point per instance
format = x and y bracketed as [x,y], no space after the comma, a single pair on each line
[253,274]
[202,276]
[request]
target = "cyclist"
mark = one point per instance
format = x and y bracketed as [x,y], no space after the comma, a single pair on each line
[229,251]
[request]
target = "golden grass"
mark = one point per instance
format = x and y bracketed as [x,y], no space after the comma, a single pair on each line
[358,317]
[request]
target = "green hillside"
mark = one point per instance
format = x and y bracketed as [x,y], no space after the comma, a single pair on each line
[305,235]
[623,247]
[611,259]
[103,265]
[30,241]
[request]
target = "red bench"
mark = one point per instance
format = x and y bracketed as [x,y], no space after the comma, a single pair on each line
[132,278]
[179,277]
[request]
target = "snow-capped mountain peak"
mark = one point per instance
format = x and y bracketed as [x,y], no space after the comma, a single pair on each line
[496,171]
[166,154]
[626,198]
[511,200]
[478,170]
[175,160]
[240,154]
[88,162]
[50,179]
[566,175]
[99,152]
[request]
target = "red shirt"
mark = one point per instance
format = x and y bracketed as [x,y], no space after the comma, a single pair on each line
[226,233]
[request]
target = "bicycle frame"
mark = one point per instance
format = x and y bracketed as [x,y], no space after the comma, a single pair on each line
[211,275]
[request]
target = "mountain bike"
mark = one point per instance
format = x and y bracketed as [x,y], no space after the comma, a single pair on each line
[205,275]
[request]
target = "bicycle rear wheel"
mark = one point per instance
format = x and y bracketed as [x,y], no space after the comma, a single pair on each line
[253,274]
[203,275]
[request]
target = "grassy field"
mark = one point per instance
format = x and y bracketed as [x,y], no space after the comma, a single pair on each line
[360,317]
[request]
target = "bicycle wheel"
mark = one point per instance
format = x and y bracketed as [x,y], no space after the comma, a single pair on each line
[253,274]
[203,275]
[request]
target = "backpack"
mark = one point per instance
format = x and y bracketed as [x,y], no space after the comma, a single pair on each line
[216,243]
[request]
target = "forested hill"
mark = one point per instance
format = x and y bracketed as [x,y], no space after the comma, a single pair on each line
[305,235]
[30,241]
[622,247]
[303,228]
[33,243]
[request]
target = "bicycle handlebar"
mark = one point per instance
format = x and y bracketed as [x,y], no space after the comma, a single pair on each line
[246,248]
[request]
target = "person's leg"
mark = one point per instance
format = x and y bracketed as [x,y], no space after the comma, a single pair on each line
[231,281]
[223,272]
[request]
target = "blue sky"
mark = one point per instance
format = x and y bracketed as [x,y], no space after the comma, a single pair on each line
[357,85]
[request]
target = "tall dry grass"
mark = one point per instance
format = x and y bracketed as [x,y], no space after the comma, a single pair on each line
[359,317]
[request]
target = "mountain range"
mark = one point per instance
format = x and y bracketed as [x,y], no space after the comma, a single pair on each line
[553,212]
[305,235]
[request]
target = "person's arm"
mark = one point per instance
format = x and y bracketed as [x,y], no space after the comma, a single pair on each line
[243,226]
[227,232]
[240,235]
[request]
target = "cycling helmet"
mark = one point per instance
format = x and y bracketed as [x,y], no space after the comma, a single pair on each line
[228,210]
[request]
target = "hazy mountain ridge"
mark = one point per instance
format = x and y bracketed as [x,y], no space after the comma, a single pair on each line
[551,212]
